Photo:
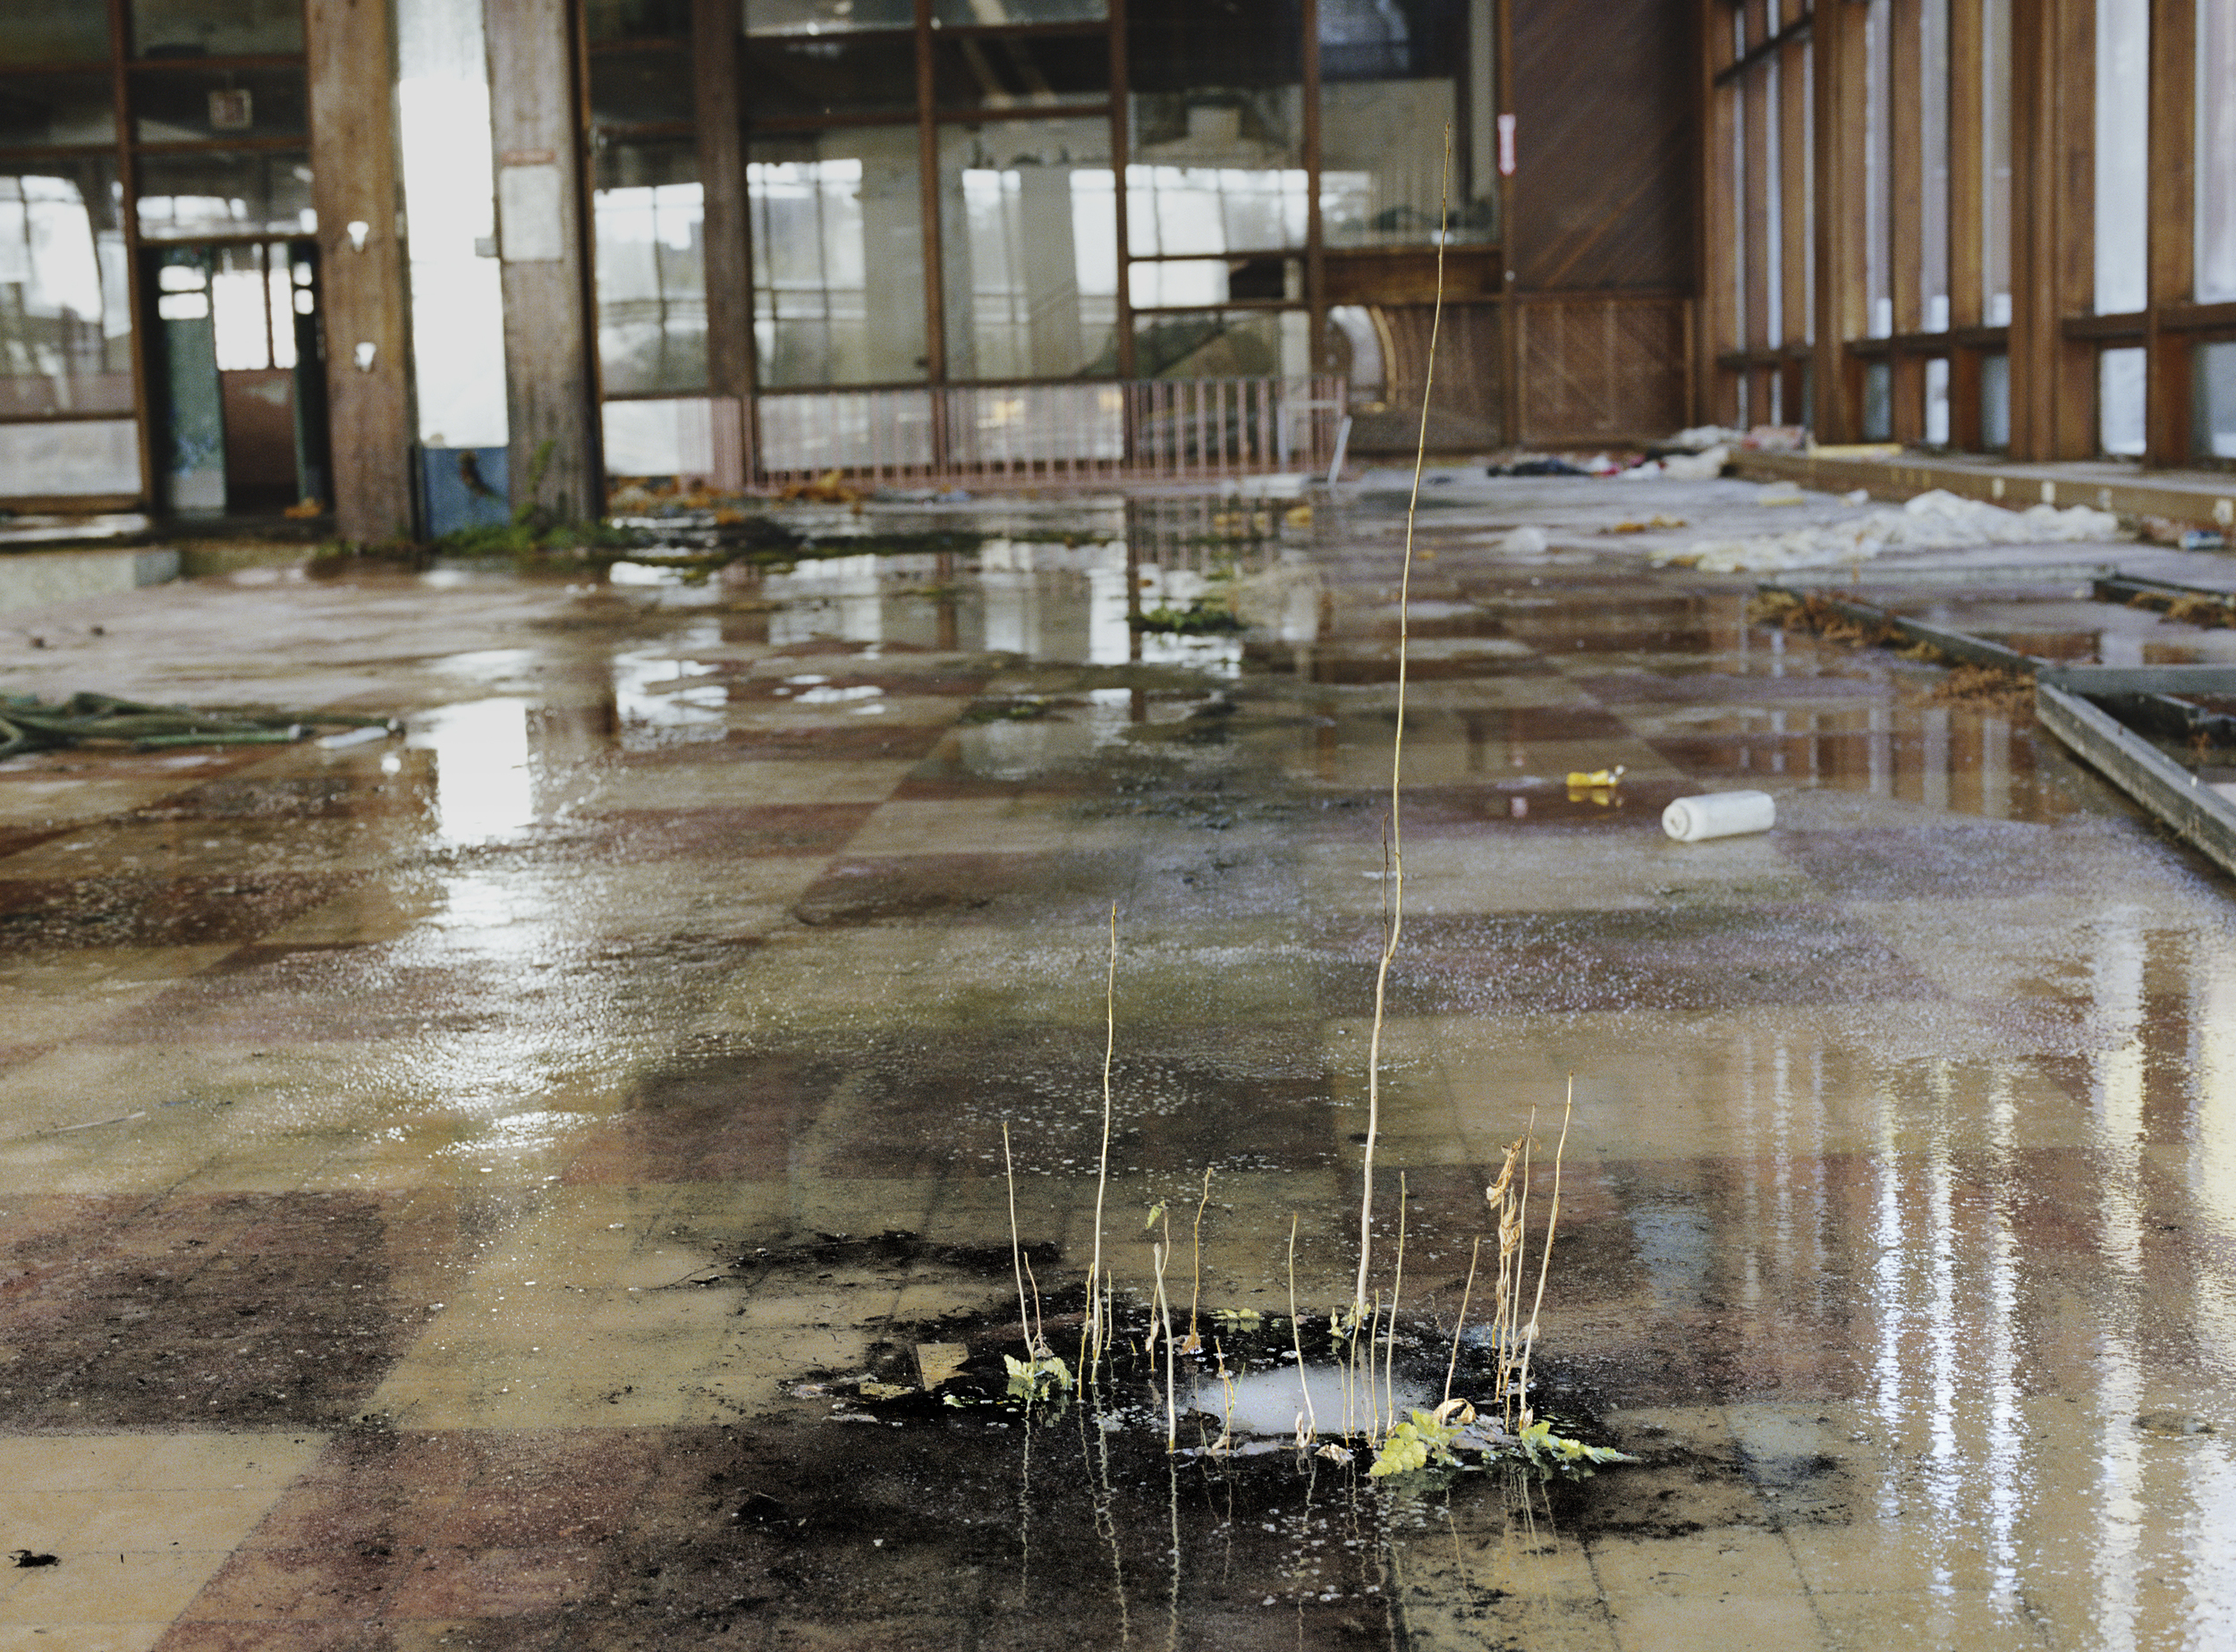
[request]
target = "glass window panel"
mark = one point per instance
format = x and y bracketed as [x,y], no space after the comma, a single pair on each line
[648,213]
[781,17]
[845,429]
[640,88]
[54,31]
[1185,45]
[1996,165]
[1382,145]
[197,28]
[2123,156]
[957,12]
[194,105]
[2120,376]
[85,458]
[1878,170]
[65,323]
[57,108]
[1391,82]
[2217,152]
[1171,282]
[1932,144]
[838,257]
[795,76]
[1937,401]
[2216,390]
[638,19]
[218,192]
[1996,401]
[1878,401]
[1028,248]
[1251,344]
[1020,71]
[251,301]
[1216,173]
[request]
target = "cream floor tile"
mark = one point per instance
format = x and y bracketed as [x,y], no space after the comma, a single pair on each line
[368,914]
[43,800]
[1732,1589]
[1508,871]
[139,1523]
[987,826]
[205,848]
[1884,1617]
[773,781]
[66,994]
[50,1637]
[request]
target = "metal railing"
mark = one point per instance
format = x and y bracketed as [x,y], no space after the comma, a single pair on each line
[1175,430]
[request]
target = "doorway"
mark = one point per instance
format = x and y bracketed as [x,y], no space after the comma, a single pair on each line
[237,377]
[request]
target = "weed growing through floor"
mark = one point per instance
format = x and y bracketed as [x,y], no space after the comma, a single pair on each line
[1363,1340]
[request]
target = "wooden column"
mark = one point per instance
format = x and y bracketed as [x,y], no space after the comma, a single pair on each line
[550,379]
[1967,203]
[2053,195]
[362,275]
[1838,47]
[721,181]
[1906,227]
[1792,251]
[2166,439]
[1717,329]
[729,268]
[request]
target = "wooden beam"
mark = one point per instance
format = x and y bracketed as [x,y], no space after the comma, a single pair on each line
[1839,51]
[2053,166]
[729,274]
[1792,250]
[1757,123]
[2174,25]
[351,46]
[1717,329]
[550,370]
[1967,187]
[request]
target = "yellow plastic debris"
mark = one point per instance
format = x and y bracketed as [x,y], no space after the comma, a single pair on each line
[1579,780]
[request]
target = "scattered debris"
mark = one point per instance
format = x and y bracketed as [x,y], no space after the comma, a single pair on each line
[1938,520]
[2175,1424]
[2005,694]
[28,724]
[26,1559]
[1720,814]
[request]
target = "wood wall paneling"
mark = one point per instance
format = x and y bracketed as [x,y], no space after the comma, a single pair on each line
[1603,98]
[550,367]
[2053,116]
[1603,367]
[351,57]
[1758,239]
[2173,225]
[1792,251]
[1717,302]
[1838,50]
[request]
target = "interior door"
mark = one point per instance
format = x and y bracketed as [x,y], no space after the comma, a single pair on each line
[189,405]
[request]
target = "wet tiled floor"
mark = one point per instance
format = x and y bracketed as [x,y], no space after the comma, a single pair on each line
[453,1191]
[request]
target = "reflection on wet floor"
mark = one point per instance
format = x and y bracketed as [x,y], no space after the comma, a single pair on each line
[521,1185]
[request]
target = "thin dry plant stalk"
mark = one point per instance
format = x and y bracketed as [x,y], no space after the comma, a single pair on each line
[1017,1251]
[1545,1256]
[1466,1291]
[1397,755]
[1097,1324]
[1296,1329]
[1195,1287]
[1165,1317]
[1389,1343]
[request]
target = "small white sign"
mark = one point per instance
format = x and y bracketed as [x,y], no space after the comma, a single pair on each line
[1505,146]
[528,220]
